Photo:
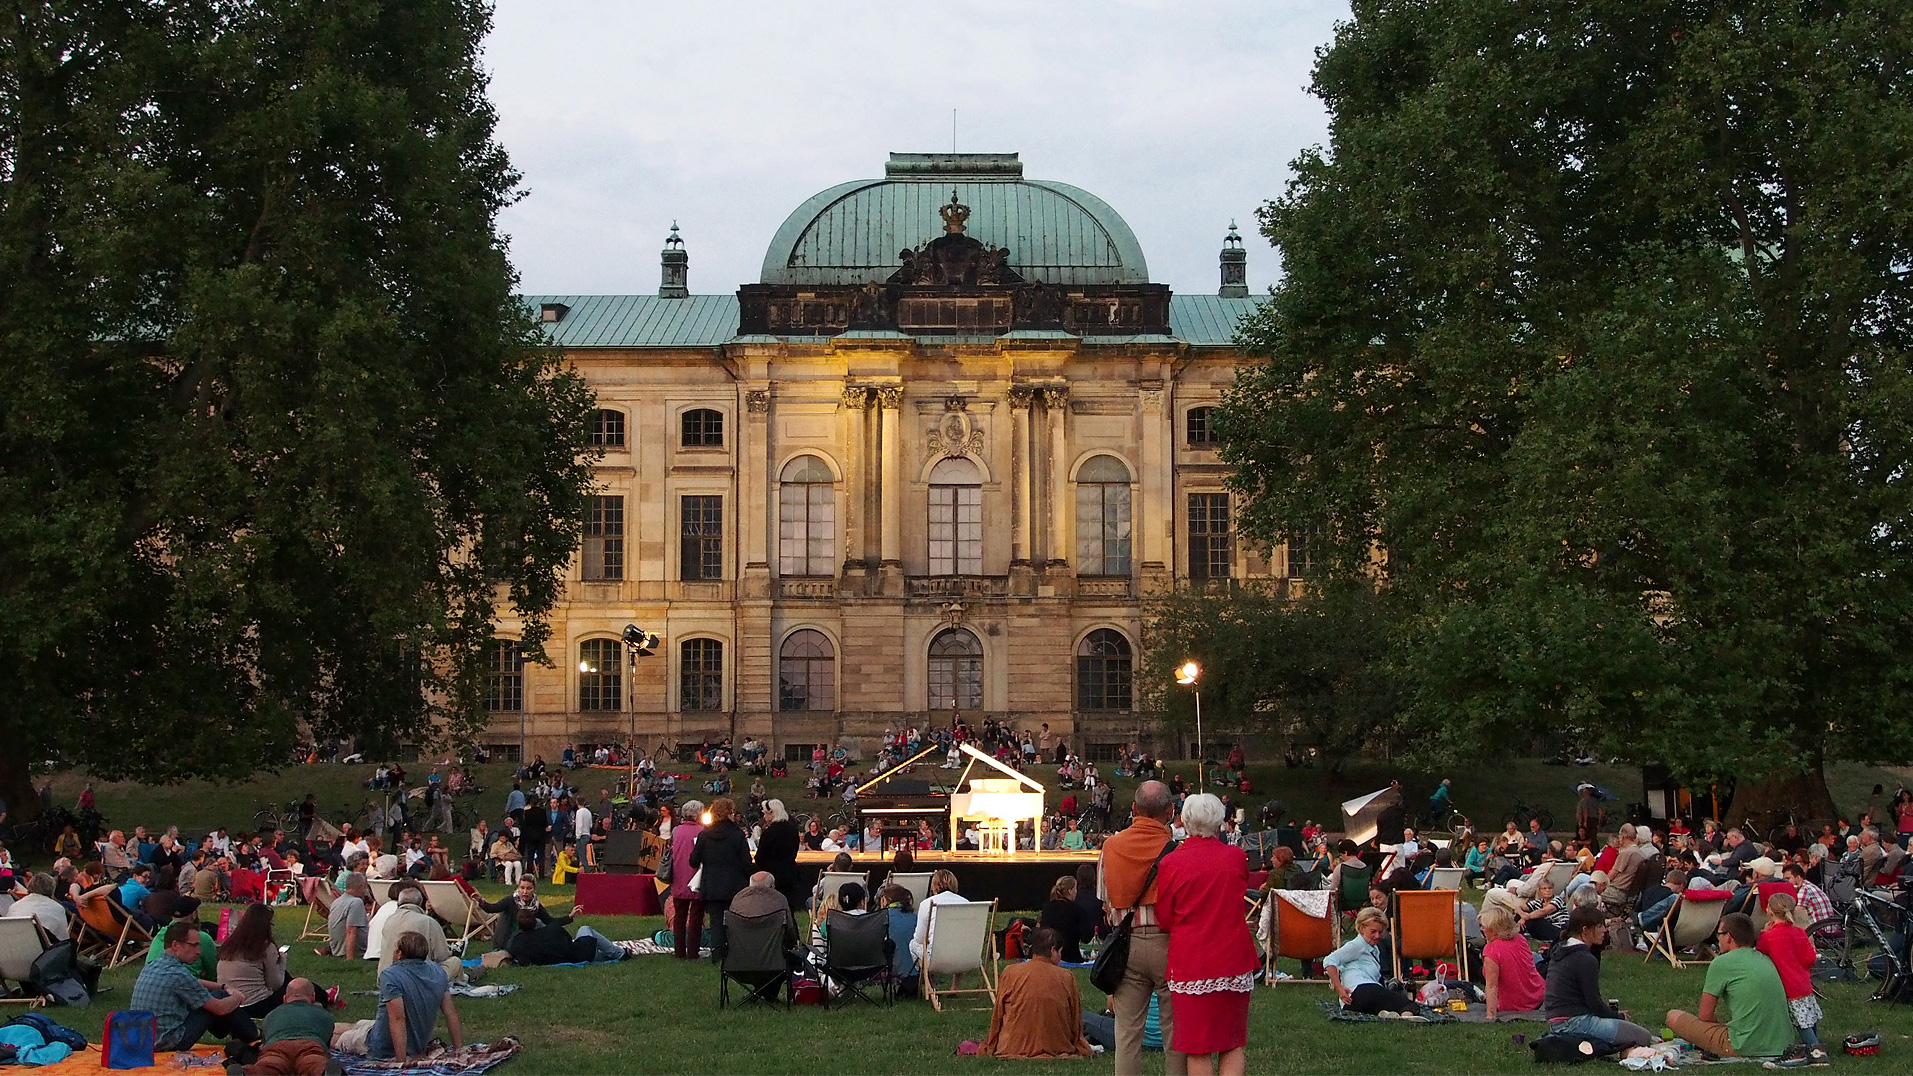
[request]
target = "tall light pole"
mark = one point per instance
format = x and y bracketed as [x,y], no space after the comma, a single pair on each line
[1187,676]
[638,643]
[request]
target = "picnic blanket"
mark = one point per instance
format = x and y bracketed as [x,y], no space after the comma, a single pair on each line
[1310,902]
[437,1060]
[87,1062]
[1477,1013]
[1334,1011]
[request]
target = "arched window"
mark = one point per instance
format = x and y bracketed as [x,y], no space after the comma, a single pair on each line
[806,519]
[607,428]
[703,428]
[956,671]
[956,518]
[701,675]
[600,675]
[1103,671]
[1102,517]
[807,672]
[1202,429]
[505,686]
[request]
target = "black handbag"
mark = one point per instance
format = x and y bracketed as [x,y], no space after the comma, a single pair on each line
[1112,961]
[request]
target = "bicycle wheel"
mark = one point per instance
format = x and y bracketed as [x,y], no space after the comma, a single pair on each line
[1830,942]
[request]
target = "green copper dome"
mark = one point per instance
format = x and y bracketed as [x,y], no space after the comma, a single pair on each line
[854,232]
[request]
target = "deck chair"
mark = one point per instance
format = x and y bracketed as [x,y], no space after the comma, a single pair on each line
[21,943]
[834,880]
[319,900]
[753,956]
[1298,935]
[1690,923]
[859,951]
[110,934]
[1354,891]
[1428,927]
[1447,878]
[961,941]
[1560,874]
[917,884]
[1766,890]
[452,904]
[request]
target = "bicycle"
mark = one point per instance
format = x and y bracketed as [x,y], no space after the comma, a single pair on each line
[1853,939]
[1523,811]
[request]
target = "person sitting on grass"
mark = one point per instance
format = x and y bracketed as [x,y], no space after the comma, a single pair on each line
[250,965]
[206,964]
[1355,970]
[298,1035]
[533,945]
[1507,965]
[184,1007]
[412,993]
[1788,946]
[1544,916]
[409,915]
[1757,1023]
[1039,1009]
[346,934]
[1573,1002]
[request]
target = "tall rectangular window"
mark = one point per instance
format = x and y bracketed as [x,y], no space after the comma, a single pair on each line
[607,428]
[1302,563]
[1211,545]
[956,530]
[701,675]
[604,539]
[505,687]
[701,522]
[600,675]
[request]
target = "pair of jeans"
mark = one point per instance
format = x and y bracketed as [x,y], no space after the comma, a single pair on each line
[607,950]
[1653,917]
[234,1025]
[1372,998]
[1605,1028]
[687,927]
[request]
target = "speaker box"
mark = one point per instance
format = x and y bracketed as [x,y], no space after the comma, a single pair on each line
[621,851]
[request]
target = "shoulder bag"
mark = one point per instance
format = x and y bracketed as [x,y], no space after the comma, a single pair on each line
[1113,959]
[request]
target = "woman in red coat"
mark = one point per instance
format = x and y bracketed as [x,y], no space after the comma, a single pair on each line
[1212,958]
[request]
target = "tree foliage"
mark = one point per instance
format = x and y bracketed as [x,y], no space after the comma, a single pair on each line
[275,436]
[1595,323]
[1309,664]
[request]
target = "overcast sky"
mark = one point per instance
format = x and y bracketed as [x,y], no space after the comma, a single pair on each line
[625,116]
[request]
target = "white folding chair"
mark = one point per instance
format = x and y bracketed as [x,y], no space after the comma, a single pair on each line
[1447,877]
[456,907]
[833,881]
[319,897]
[1690,924]
[21,943]
[962,939]
[917,884]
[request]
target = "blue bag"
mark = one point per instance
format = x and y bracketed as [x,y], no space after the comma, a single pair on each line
[129,1040]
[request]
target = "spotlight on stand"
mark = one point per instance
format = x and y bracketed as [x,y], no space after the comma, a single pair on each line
[644,643]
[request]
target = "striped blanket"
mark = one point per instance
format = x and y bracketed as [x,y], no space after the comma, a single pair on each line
[438,1060]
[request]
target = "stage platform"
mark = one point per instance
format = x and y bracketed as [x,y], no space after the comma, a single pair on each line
[1019,882]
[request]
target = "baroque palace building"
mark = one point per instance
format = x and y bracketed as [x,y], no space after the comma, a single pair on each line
[928,466]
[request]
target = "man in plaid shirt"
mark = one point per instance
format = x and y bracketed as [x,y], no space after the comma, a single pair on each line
[1811,897]
[185,1007]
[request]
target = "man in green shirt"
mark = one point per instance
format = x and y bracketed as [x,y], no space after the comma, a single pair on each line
[298,1034]
[1756,1021]
[206,967]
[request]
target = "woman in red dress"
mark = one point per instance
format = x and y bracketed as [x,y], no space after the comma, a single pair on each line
[1212,956]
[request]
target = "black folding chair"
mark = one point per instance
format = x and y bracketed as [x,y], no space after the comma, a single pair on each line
[859,951]
[755,958]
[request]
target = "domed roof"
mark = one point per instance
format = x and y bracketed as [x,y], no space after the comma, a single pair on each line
[1055,233]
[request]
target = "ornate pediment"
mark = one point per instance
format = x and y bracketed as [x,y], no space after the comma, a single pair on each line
[954,258]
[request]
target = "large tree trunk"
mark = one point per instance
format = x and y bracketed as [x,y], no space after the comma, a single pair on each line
[1765,801]
[16,787]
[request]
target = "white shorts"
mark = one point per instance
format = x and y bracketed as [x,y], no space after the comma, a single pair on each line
[353,1039]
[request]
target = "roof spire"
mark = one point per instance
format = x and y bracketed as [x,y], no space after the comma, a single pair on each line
[1235,266]
[674,279]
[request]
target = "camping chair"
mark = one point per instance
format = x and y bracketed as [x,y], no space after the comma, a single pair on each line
[1447,878]
[960,942]
[451,903]
[21,943]
[1354,890]
[111,935]
[1428,927]
[1313,878]
[833,881]
[1691,922]
[859,949]
[753,956]
[319,900]
[1299,936]
[917,884]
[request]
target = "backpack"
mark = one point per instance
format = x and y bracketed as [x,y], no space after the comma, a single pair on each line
[1558,1046]
[53,974]
[129,1040]
[50,1031]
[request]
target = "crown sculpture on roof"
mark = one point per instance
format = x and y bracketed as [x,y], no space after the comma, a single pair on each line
[954,215]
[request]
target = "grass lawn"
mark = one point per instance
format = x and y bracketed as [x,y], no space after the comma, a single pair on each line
[657,1015]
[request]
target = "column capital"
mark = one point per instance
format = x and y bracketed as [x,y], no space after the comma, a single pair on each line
[890,397]
[1021,396]
[1054,396]
[856,397]
[758,401]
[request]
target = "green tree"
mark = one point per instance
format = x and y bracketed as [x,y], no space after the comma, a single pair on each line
[1594,326]
[276,438]
[1306,663]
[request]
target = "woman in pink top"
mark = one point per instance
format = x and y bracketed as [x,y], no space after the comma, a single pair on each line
[1508,965]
